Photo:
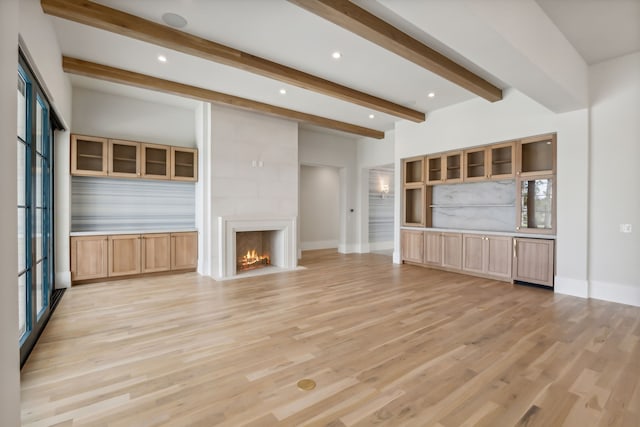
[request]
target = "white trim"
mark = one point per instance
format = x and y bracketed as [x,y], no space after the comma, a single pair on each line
[569,286]
[615,292]
[380,246]
[63,279]
[229,226]
[348,248]
[396,256]
[320,244]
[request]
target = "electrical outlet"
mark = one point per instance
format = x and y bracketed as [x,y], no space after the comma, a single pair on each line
[625,228]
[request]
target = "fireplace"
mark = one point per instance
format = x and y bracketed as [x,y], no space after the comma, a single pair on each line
[255,246]
[253,250]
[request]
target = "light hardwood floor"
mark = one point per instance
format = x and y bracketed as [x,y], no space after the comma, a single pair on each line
[387,345]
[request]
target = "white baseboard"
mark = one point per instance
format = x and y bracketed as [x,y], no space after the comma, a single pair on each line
[396,257]
[574,287]
[321,244]
[63,279]
[348,249]
[615,292]
[380,246]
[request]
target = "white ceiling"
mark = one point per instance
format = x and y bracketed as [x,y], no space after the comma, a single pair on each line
[284,33]
[597,29]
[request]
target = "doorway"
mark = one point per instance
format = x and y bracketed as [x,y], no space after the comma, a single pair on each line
[319,207]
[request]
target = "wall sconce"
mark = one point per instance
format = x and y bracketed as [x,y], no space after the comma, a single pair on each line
[384,190]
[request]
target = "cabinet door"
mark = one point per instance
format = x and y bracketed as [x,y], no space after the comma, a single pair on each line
[414,206]
[88,155]
[435,172]
[124,255]
[156,160]
[88,257]
[501,161]
[533,261]
[537,155]
[124,158]
[413,170]
[452,250]
[184,164]
[498,256]
[452,163]
[184,251]
[412,246]
[475,165]
[432,248]
[156,252]
[473,253]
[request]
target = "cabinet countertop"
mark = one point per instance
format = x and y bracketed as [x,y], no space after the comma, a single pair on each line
[120,232]
[493,233]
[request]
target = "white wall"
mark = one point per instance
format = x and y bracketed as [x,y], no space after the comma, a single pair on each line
[371,153]
[329,149]
[238,138]
[101,114]
[615,199]
[9,353]
[477,122]
[319,207]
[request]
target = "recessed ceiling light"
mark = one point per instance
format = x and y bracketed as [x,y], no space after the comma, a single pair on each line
[336,55]
[371,116]
[283,91]
[162,58]
[431,94]
[174,20]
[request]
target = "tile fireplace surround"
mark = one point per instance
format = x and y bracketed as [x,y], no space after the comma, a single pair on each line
[283,246]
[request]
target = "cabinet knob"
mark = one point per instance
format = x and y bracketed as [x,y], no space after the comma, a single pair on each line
[517,228]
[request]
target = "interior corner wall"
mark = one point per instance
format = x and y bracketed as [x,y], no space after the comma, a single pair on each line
[9,351]
[120,117]
[240,140]
[614,273]
[329,149]
[372,153]
[204,219]
[477,122]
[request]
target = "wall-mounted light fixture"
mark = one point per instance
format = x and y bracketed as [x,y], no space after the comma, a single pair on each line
[384,190]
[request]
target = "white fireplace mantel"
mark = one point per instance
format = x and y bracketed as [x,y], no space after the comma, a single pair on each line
[229,226]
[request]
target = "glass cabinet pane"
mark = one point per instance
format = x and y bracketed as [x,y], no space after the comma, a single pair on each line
[536,204]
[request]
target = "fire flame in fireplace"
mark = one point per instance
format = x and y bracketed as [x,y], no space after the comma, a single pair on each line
[252,260]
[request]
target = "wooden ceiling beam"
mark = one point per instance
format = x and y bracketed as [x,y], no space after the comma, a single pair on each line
[359,21]
[117,75]
[106,18]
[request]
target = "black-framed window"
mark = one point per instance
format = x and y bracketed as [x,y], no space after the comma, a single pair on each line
[35,129]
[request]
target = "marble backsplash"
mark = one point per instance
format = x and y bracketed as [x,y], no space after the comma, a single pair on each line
[489,206]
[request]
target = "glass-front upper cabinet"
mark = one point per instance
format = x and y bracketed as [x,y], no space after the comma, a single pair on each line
[537,155]
[88,155]
[156,161]
[536,206]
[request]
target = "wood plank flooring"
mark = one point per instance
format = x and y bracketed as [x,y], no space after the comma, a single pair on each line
[387,345]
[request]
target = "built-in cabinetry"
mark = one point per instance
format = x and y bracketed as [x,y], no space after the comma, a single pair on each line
[493,256]
[156,252]
[533,260]
[184,251]
[415,193]
[89,155]
[89,255]
[99,257]
[487,255]
[96,156]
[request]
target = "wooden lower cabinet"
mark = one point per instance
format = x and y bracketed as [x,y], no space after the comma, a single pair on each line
[533,261]
[452,250]
[100,257]
[487,255]
[89,257]
[433,248]
[156,252]
[412,246]
[184,251]
[124,255]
